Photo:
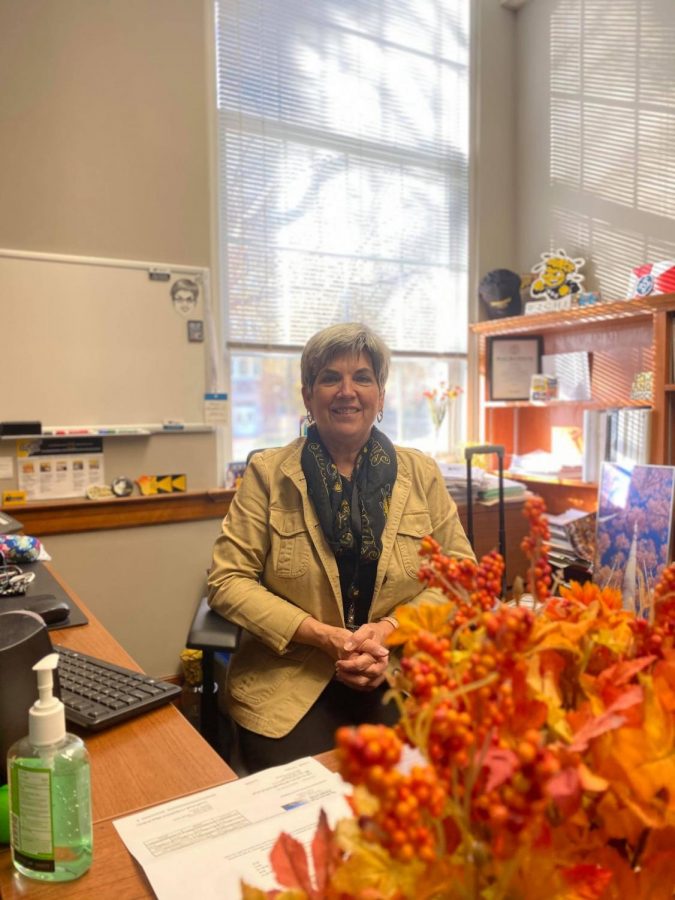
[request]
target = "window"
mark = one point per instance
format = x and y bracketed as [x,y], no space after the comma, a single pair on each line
[343,196]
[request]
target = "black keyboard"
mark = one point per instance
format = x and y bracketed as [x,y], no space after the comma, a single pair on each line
[96,693]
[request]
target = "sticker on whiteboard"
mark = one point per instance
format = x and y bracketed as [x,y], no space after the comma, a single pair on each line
[184,294]
[215,409]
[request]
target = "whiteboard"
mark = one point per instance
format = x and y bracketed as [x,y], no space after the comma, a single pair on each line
[97,341]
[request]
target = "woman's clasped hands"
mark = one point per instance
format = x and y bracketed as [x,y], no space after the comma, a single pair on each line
[363,659]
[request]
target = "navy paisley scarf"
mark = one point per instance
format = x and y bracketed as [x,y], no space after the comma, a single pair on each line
[352,512]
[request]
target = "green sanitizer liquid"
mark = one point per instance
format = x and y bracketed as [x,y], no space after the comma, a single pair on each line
[50,810]
[49,791]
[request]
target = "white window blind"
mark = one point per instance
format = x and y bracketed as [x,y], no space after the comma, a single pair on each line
[343,172]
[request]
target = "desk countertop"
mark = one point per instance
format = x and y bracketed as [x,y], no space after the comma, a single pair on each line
[150,759]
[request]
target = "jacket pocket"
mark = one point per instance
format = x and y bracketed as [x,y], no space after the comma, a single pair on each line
[413,527]
[290,542]
[255,673]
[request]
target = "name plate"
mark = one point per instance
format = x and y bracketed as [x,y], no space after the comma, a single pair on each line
[535,307]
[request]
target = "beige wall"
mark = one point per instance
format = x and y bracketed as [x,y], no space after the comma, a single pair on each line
[494,185]
[596,135]
[142,583]
[104,152]
[104,149]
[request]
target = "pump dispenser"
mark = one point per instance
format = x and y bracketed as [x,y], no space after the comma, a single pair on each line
[47,716]
[49,790]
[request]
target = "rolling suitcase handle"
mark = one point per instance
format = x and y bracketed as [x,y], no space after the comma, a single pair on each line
[469,453]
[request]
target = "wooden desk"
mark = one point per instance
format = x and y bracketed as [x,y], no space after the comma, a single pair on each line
[150,759]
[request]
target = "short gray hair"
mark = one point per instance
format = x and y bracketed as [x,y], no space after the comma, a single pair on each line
[344,339]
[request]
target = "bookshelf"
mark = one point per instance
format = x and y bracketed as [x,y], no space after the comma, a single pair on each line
[623,338]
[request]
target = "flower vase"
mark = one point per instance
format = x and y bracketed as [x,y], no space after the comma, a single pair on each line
[437,449]
[453,445]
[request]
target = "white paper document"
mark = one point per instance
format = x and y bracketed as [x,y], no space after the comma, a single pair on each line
[204,844]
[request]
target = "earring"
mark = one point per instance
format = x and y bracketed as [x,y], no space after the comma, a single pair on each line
[310,418]
[380,415]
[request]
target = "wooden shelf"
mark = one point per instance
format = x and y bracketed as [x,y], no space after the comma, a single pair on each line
[41,518]
[583,404]
[623,338]
[594,316]
[560,494]
[533,478]
[106,431]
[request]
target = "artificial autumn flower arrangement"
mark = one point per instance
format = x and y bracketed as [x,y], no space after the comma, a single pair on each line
[545,744]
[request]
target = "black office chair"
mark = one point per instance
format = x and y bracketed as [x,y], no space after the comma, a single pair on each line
[213,635]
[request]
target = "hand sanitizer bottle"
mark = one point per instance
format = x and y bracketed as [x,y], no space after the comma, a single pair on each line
[49,791]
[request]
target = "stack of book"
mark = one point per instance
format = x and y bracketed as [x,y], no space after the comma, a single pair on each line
[484,485]
[572,544]
[615,435]
[488,490]
[454,475]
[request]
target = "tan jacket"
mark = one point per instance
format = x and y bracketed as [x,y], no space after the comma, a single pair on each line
[272,567]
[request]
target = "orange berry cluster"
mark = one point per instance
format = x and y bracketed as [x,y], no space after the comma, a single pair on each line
[361,749]
[535,545]
[491,676]
[489,579]
[514,812]
[509,627]
[426,665]
[474,587]
[408,803]
[445,571]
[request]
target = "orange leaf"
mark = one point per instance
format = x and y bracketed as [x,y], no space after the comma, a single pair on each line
[254,893]
[664,683]
[640,763]
[590,781]
[289,862]
[432,617]
[656,881]
[561,635]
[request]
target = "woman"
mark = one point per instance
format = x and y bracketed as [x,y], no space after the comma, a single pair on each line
[318,549]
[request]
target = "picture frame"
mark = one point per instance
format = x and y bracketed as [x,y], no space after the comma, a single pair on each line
[511,363]
[634,529]
[195,331]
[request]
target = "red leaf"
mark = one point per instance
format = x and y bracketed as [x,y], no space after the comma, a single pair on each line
[606,721]
[289,862]
[565,789]
[587,880]
[325,854]
[622,672]
[501,764]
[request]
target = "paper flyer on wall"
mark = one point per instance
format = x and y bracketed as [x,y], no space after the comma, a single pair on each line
[53,469]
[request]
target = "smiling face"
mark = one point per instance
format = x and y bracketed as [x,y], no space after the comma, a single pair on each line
[344,401]
[184,301]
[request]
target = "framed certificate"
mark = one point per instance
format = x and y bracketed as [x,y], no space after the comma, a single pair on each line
[511,363]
